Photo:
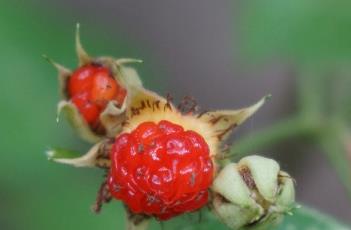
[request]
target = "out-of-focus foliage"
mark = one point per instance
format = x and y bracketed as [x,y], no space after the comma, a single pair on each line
[36,193]
[314,38]
[303,218]
[312,31]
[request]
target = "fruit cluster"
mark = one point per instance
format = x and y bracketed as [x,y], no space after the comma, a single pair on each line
[163,160]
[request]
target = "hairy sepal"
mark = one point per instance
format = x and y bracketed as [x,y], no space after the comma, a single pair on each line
[214,126]
[95,157]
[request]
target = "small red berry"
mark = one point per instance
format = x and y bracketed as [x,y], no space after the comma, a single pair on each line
[161,169]
[81,80]
[89,111]
[104,88]
[91,87]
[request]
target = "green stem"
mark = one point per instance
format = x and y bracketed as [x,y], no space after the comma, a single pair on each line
[329,136]
[311,90]
[333,143]
[283,130]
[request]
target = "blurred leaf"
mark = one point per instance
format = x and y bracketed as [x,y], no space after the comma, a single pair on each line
[310,31]
[37,193]
[306,219]
[302,219]
[288,128]
[333,141]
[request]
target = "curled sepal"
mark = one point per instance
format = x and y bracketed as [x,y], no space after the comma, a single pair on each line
[130,76]
[145,103]
[63,75]
[252,194]
[112,118]
[224,121]
[70,111]
[136,221]
[83,56]
[95,157]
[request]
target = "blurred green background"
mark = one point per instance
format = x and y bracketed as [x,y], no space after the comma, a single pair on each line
[297,50]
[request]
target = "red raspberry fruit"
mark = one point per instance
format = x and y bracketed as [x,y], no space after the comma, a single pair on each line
[91,87]
[161,170]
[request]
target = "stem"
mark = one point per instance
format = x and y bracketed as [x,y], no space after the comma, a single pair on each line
[332,141]
[311,83]
[330,137]
[285,129]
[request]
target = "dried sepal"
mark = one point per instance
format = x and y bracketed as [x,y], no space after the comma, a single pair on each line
[224,121]
[95,157]
[63,75]
[130,76]
[252,193]
[70,111]
[112,118]
[145,102]
[83,56]
[122,61]
[103,196]
[136,221]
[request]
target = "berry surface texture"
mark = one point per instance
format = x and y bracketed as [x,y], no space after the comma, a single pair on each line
[161,170]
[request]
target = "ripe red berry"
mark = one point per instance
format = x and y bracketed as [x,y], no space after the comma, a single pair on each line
[81,79]
[89,111]
[91,87]
[161,170]
[105,88]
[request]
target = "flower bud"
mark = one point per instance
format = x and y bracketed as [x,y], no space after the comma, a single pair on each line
[252,194]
